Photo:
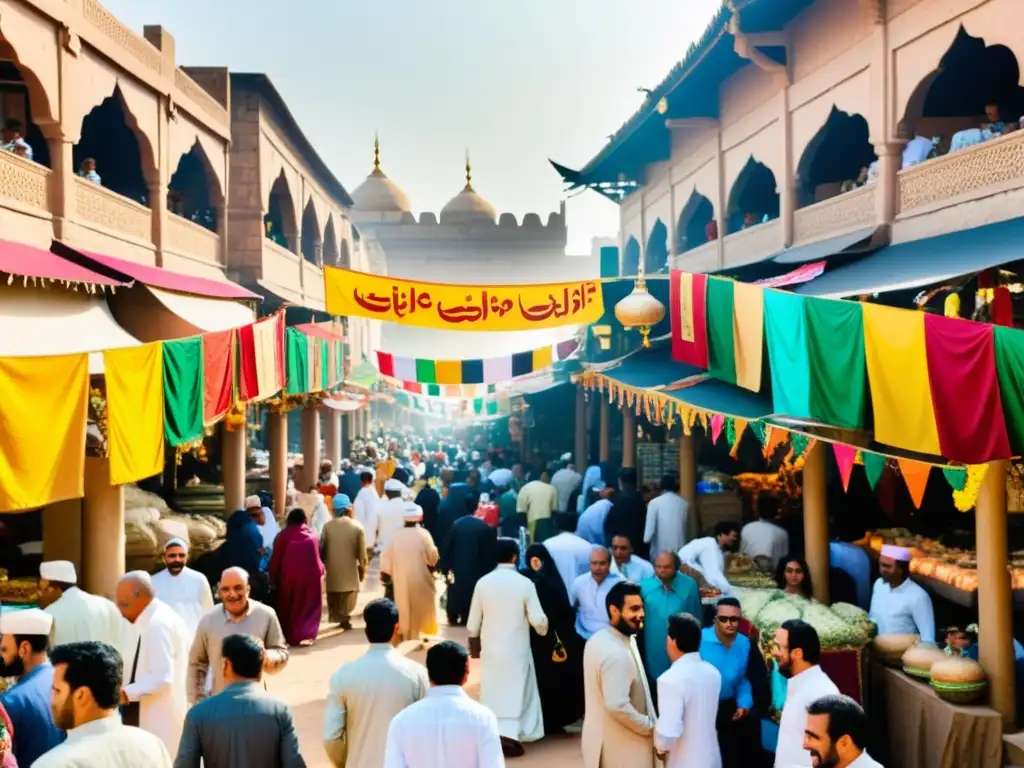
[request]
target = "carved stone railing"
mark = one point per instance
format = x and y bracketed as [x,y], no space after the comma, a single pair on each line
[281,266]
[112,211]
[997,163]
[753,244]
[190,88]
[703,258]
[108,24]
[24,182]
[190,239]
[842,213]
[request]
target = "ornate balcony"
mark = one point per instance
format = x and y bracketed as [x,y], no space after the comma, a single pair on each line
[753,244]
[111,212]
[189,239]
[840,214]
[24,185]
[703,258]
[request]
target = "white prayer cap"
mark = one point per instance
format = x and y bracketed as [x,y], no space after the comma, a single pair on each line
[394,485]
[30,621]
[412,513]
[175,542]
[58,570]
[253,501]
[501,478]
[900,554]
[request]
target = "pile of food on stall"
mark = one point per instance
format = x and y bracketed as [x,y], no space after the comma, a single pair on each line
[743,571]
[18,591]
[839,626]
[953,565]
[150,524]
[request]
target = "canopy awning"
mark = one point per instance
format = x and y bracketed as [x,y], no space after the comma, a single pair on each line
[153,276]
[918,263]
[320,331]
[26,260]
[721,397]
[795,264]
[801,254]
[205,314]
[651,368]
[288,296]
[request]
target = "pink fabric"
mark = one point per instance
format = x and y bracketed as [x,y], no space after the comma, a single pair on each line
[28,261]
[7,759]
[296,571]
[965,390]
[845,454]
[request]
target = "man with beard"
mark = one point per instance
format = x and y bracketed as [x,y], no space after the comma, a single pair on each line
[619,722]
[185,591]
[24,636]
[797,650]
[836,732]
[468,553]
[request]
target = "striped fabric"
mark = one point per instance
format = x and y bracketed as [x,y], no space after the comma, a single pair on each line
[461,372]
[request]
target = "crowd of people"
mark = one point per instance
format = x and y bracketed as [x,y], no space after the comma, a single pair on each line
[580,597]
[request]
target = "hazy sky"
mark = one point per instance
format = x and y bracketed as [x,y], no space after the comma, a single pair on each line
[515,81]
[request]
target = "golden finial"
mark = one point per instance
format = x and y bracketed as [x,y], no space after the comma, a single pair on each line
[376,153]
[469,174]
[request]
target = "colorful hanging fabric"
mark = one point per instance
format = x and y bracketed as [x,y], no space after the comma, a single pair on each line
[687,307]
[915,475]
[894,345]
[748,334]
[777,437]
[966,498]
[298,362]
[965,390]
[786,333]
[438,390]
[486,371]
[845,454]
[717,425]
[218,374]
[43,414]
[135,412]
[956,477]
[721,344]
[874,465]
[261,368]
[835,351]
[183,390]
[1009,357]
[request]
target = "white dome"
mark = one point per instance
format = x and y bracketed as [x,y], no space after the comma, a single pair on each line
[467,207]
[379,194]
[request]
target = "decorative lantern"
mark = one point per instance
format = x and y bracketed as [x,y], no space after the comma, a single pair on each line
[640,310]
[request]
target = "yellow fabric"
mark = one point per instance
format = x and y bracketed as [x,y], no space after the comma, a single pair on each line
[542,358]
[135,412]
[894,345]
[43,412]
[315,372]
[266,338]
[686,330]
[448,372]
[748,334]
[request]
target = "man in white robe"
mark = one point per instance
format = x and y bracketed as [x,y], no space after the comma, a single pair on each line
[505,605]
[265,521]
[187,592]
[77,615]
[366,500]
[707,554]
[155,673]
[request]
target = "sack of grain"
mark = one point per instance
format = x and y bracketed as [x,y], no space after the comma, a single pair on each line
[141,515]
[200,534]
[135,497]
[167,529]
[220,528]
[140,540]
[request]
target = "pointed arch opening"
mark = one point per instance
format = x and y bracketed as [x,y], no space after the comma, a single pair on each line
[113,152]
[194,192]
[754,198]
[973,95]
[279,223]
[695,226]
[312,241]
[22,101]
[345,257]
[656,253]
[836,160]
[330,249]
[631,257]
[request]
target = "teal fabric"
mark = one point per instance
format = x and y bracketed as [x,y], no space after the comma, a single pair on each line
[785,325]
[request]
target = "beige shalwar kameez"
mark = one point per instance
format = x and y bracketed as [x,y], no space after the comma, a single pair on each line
[408,557]
[343,549]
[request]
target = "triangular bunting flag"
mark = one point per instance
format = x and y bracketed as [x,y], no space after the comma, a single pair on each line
[874,464]
[956,477]
[730,431]
[717,424]
[801,443]
[776,437]
[915,475]
[845,454]
[739,427]
[760,429]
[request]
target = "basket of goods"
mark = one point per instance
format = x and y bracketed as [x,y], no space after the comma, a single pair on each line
[839,626]
[736,563]
[889,649]
[958,680]
[918,659]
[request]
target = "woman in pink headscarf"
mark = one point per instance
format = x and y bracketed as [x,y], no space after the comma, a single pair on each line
[297,573]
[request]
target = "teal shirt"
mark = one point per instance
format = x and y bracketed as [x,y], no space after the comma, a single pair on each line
[660,602]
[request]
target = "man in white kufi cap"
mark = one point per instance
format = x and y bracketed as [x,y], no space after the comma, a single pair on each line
[407,558]
[899,606]
[185,591]
[77,615]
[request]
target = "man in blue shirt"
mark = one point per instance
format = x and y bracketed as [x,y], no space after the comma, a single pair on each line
[724,647]
[589,591]
[24,636]
[665,594]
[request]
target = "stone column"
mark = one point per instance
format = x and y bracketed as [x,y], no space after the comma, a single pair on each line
[332,443]
[995,599]
[346,435]
[603,454]
[277,446]
[62,180]
[310,447]
[688,482]
[887,183]
[629,437]
[787,196]
[62,531]
[222,229]
[581,429]
[103,539]
[232,461]
[816,520]
[156,196]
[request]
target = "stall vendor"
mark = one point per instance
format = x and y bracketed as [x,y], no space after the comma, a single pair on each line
[899,606]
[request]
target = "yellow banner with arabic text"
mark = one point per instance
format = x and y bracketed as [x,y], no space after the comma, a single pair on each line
[462,307]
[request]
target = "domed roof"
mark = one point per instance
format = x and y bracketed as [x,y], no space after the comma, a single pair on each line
[467,206]
[378,193]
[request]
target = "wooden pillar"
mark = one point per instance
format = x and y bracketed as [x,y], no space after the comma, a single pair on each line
[310,447]
[581,429]
[603,444]
[277,426]
[62,532]
[816,520]
[688,482]
[345,420]
[232,460]
[332,443]
[995,604]
[103,539]
[628,437]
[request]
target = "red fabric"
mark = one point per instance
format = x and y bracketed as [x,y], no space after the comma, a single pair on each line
[843,669]
[693,352]
[319,331]
[248,379]
[385,364]
[1002,307]
[296,571]
[412,386]
[28,261]
[489,513]
[965,390]
[218,374]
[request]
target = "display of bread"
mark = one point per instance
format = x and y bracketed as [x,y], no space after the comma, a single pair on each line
[737,563]
[919,658]
[958,679]
[889,649]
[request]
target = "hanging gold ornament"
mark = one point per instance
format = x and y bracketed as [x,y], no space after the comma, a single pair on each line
[640,310]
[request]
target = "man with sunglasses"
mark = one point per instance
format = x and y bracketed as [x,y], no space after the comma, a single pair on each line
[728,650]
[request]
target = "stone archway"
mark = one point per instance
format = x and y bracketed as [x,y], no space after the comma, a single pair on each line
[194,191]
[279,222]
[692,228]
[840,152]
[345,258]
[631,258]
[312,240]
[330,249]
[754,197]
[656,252]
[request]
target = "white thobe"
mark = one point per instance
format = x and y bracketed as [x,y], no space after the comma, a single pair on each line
[445,729]
[571,554]
[319,518]
[504,607]
[187,594]
[761,538]
[688,707]
[388,516]
[637,569]
[159,686]
[106,743]
[79,616]
[865,761]
[905,610]
[665,529]
[363,506]
[707,557]
[566,481]
[802,691]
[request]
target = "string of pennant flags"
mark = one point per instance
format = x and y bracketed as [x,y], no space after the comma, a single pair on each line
[491,370]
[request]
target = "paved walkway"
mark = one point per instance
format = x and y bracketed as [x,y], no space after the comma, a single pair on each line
[303,685]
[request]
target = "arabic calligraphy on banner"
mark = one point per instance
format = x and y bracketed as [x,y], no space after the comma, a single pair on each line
[462,307]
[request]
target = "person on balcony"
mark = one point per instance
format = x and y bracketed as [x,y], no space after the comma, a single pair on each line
[13,141]
[87,170]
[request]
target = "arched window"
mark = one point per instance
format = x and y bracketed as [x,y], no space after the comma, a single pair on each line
[656,254]
[110,150]
[311,239]
[330,249]
[279,222]
[345,260]
[693,228]
[836,159]
[754,198]
[631,258]
[21,96]
[191,193]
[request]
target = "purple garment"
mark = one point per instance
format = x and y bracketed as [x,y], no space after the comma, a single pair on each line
[296,571]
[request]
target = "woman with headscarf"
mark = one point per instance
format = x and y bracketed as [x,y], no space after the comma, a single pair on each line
[297,573]
[243,548]
[455,504]
[557,656]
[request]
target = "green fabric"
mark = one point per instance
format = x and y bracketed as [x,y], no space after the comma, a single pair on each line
[835,352]
[785,325]
[1009,346]
[492,408]
[730,430]
[183,390]
[873,467]
[425,372]
[325,362]
[799,442]
[757,427]
[297,352]
[721,354]
[434,390]
[957,478]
